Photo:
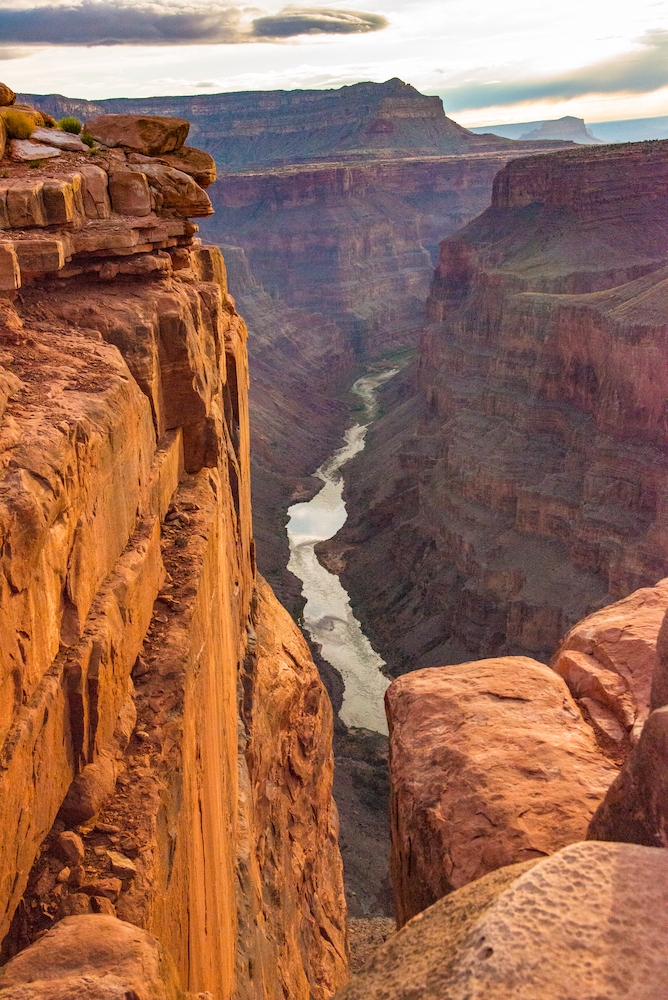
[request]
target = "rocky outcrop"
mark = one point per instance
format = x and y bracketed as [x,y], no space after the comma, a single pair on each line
[590,921]
[517,486]
[609,660]
[301,126]
[128,581]
[491,764]
[635,809]
[97,957]
[293,940]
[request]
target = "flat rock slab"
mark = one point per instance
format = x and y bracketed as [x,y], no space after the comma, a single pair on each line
[588,923]
[25,151]
[491,764]
[59,139]
[151,135]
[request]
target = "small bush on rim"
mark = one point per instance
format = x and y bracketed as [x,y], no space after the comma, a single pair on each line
[18,124]
[70,124]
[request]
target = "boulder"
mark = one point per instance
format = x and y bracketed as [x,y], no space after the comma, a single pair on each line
[588,923]
[95,192]
[93,956]
[199,165]
[25,151]
[7,95]
[61,140]
[635,808]
[90,790]
[609,659]
[491,764]
[129,193]
[70,847]
[176,190]
[151,135]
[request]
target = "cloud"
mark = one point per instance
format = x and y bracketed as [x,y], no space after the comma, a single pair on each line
[317,20]
[641,71]
[161,22]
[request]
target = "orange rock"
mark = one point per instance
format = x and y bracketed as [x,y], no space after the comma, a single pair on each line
[151,135]
[94,956]
[610,658]
[491,764]
[200,165]
[177,190]
[129,193]
[7,95]
[590,921]
[635,808]
[298,948]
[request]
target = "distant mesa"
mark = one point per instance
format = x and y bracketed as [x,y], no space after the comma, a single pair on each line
[567,127]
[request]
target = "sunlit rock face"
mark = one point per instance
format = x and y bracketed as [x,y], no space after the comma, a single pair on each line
[517,482]
[491,764]
[129,600]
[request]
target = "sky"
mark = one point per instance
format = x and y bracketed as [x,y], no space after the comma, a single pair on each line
[490,62]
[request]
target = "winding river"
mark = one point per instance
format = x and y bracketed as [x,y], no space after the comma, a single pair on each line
[328,617]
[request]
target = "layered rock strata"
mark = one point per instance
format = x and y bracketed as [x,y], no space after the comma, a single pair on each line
[352,242]
[491,764]
[518,484]
[296,126]
[590,921]
[128,582]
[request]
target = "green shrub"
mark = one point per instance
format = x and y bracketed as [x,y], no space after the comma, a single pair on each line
[88,139]
[70,124]
[19,125]
[33,164]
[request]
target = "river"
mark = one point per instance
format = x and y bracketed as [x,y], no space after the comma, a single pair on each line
[328,617]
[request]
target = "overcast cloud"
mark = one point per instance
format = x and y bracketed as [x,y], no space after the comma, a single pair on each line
[115,22]
[641,71]
[490,62]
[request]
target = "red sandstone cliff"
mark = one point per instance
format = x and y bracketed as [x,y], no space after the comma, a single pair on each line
[129,600]
[518,483]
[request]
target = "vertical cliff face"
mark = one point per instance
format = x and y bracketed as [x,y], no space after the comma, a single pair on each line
[129,602]
[518,484]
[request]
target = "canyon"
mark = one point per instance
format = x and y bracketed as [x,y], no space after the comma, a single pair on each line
[336,233]
[516,481]
[172,746]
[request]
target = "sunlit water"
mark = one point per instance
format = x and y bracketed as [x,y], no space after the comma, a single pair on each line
[327,615]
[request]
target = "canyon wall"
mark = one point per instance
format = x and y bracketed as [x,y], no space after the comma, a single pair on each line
[144,667]
[336,254]
[253,128]
[517,480]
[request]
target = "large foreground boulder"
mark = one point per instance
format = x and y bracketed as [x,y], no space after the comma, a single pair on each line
[608,661]
[151,135]
[491,764]
[588,923]
[94,957]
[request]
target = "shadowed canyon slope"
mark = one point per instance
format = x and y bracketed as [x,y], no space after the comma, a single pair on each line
[518,480]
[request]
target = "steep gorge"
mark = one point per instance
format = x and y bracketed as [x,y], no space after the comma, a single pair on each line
[516,482]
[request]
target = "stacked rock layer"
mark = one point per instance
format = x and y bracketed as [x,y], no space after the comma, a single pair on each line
[132,779]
